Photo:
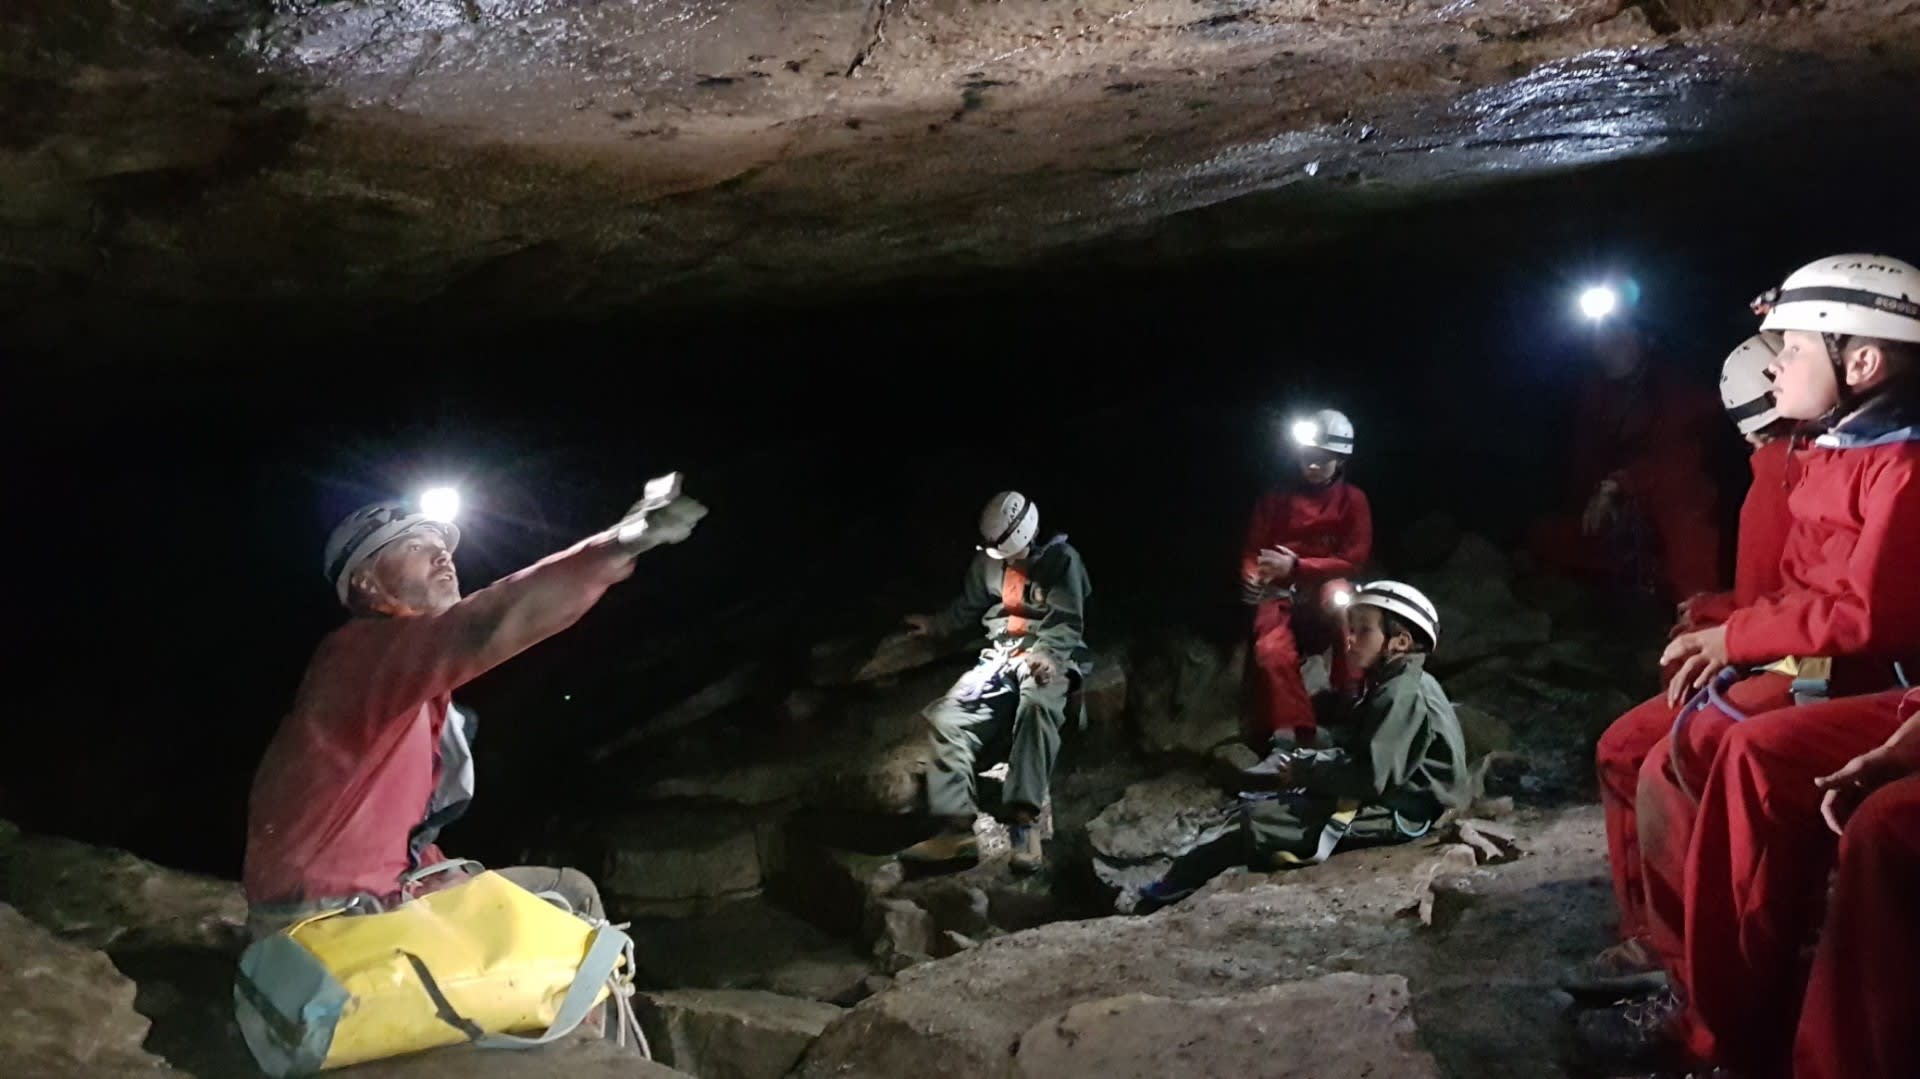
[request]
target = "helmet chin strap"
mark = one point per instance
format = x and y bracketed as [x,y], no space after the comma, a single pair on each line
[1845,400]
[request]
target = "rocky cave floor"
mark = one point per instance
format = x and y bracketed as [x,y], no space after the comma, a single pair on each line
[776,937]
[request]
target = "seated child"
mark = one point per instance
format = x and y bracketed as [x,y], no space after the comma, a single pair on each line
[1395,767]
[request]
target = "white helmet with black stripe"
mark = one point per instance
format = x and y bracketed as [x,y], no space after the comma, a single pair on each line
[1746,390]
[1404,602]
[1008,525]
[1848,296]
[1327,429]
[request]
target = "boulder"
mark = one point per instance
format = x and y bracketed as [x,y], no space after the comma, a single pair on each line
[1013,901]
[1137,838]
[69,1011]
[1485,733]
[731,1034]
[677,863]
[900,929]
[103,898]
[749,945]
[1477,982]
[1341,1026]
[1183,696]
[1479,615]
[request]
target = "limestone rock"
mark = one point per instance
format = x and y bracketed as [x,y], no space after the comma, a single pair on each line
[1342,1026]
[1484,732]
[677,863]
[1479,615]
[1184,697]
[731,1034]
[749,945]
[1136,839]
[68,1011]
[900,927]
[103,898]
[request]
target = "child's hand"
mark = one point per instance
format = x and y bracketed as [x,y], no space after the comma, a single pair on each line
[1861,776]
[1276,565]
[1704,652]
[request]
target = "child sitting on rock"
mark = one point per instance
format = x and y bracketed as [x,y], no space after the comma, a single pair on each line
[1396,766]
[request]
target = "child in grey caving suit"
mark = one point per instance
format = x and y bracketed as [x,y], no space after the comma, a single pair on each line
[1396,765]
[1032,601]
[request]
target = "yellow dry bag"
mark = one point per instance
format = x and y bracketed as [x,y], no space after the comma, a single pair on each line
[468,963]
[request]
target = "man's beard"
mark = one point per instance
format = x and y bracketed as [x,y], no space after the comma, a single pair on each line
[432,596]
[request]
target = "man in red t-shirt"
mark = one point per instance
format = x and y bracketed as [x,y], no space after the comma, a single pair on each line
[373,759]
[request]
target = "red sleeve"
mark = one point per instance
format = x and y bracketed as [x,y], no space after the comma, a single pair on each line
[1877,609]
[1260,533]
[1711,609]
[418,658]
[1764,522]
[1356,545]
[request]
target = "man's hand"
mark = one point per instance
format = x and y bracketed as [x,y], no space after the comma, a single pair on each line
[1042,668]
[646,527]
[919,626]
[1276,564]
[1705,654]
[1601,509]
[1861,776]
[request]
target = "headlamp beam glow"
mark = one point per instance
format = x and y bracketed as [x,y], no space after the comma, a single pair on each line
[440,504]
[1342,598]
[1598,302]
[1305,432]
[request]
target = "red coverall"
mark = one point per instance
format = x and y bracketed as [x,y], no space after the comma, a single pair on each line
[1757,877]
[1850,595]
[1649,434]
[1330,529]
[1858,1019]
[349,773]
[1764,521]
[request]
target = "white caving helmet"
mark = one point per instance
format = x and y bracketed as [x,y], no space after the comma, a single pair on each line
[1746,390]
[370,528]
[1327,429]
[1404,601]
[1009,524]
[1848,295]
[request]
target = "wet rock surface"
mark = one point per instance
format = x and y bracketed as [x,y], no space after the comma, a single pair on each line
[544,158]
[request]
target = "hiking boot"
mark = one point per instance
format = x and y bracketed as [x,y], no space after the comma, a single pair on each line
[947,847]
[1027,857]
[1641,1033]
[1628,969]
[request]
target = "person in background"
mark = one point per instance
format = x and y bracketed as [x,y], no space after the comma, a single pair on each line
[1313,531]
[1639,474]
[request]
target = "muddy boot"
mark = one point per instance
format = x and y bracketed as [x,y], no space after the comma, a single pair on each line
[1643,1033]
[1628,969]
[953,848]
[1028,856]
